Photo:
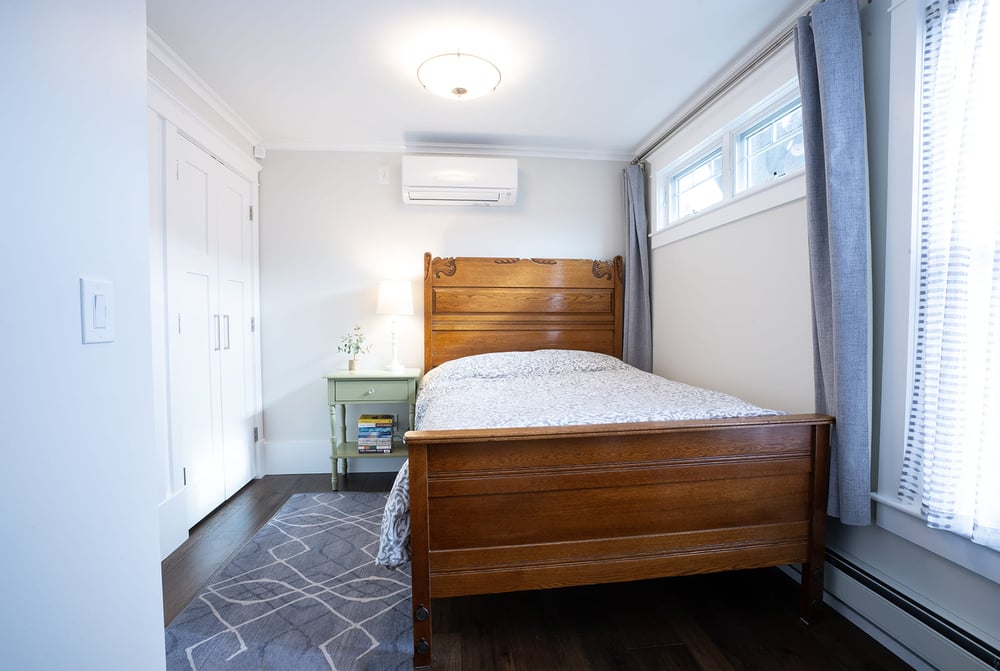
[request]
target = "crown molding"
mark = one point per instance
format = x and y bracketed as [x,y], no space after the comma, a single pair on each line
[166,104]
[159,49]
[453,148]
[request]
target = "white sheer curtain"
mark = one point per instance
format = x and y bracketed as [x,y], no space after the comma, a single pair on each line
[952,459]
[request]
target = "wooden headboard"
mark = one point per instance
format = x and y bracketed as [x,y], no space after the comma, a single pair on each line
[475,305]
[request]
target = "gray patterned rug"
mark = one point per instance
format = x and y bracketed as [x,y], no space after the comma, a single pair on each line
[304,593]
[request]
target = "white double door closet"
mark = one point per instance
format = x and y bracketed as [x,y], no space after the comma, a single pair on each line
[209,261]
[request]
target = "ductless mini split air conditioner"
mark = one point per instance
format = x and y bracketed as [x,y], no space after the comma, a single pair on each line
[459,180]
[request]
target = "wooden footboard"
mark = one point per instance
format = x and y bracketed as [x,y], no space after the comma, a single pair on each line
[500,510]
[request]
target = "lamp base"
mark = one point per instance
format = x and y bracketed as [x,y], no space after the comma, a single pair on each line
[395,367]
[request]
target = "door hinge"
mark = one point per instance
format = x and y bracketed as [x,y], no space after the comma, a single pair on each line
[177,170]
[251,213]
[255,435]
[184,476]
[253,325]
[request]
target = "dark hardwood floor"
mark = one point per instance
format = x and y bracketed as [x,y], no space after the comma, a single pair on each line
[737,621]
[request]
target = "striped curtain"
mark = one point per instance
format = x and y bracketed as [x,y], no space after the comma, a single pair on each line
[952,458]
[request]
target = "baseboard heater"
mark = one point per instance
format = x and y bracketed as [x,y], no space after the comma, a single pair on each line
[972,644]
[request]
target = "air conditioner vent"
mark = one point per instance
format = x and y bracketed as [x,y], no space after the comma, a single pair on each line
[459,180]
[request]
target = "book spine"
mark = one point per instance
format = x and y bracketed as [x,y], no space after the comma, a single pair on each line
[376,420]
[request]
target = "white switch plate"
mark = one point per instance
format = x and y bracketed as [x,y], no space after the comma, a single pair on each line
[97,311]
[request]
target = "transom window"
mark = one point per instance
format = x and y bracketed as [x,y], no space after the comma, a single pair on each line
[697,187]
[772,148]
[762,145]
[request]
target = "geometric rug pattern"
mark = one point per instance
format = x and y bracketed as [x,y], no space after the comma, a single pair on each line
[304,594]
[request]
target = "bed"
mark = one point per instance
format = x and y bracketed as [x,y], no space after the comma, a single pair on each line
[522,508]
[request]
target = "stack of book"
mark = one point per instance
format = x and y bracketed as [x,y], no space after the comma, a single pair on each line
[375,433]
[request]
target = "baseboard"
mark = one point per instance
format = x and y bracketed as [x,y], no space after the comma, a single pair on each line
[173,523]
[313,456]
[916,634]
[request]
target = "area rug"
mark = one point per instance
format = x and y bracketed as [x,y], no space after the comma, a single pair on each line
[303,594]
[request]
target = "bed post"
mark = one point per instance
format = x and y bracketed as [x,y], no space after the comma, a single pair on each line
[811,594]
[619,305]
[428,312]
[419,561]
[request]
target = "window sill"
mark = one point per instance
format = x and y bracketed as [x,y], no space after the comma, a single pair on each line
[906,522]
[747,204]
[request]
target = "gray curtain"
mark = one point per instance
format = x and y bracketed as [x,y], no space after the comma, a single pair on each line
[637,348]
[828,52]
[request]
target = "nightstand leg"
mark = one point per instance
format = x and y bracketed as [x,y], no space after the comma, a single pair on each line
[339,427]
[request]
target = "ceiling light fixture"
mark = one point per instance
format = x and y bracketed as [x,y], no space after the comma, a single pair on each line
[458,76]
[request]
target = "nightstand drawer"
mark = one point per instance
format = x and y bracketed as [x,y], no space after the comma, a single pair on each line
[371,390]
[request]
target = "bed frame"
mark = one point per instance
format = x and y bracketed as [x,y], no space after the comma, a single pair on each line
[501,510]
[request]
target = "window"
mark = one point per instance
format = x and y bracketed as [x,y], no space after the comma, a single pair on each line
[696,187]
[759,146]
[953,426]
[772,148]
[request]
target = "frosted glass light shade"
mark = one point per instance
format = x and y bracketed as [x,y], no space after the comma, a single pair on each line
[458,76]
[395,297]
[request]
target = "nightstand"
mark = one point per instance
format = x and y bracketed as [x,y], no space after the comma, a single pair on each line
[348,387]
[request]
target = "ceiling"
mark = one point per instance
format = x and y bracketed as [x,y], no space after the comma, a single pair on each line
[586,78]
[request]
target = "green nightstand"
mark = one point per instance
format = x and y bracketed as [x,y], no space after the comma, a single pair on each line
[366,386]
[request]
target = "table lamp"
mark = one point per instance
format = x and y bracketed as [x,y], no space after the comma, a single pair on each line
[395,298]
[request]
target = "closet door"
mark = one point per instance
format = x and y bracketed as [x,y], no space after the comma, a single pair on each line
[194,326]
[235,308]
[209,249]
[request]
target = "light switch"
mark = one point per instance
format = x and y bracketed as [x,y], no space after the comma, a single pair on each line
[97,311]
[100,311]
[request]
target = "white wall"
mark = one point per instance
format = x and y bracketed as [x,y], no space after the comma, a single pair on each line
[731,309]
[81,567]
[330,232]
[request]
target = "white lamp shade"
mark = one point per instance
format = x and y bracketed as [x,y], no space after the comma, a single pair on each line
[458,76]
[395,297]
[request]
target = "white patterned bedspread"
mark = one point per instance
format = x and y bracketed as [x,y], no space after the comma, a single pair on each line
[542,388]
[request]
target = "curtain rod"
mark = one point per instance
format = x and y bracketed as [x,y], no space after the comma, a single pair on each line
[718,92]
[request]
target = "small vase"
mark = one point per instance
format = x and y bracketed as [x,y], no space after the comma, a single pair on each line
[352,364]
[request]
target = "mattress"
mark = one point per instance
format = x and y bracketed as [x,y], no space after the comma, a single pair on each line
[543,388]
